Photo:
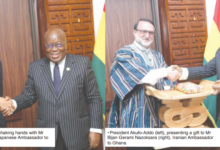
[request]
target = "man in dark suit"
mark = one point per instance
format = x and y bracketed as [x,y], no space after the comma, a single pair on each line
[210,69]
[64,85]
[2,118]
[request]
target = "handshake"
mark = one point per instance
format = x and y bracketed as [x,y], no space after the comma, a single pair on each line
[174,72]
[6,106]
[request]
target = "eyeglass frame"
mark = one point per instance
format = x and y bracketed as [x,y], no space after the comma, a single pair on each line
[151,33]
[54,45]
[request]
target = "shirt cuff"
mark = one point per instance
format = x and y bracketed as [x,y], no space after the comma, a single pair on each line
[153,76]
[96,130]
[162,72]
[185,74]
[14,103]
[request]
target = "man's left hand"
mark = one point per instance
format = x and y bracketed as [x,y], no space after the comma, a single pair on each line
[216,87]
[94,139]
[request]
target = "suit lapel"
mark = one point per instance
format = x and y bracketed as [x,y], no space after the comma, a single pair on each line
[47,74]
[69,67]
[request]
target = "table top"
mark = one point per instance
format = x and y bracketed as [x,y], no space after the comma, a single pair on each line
[177,95]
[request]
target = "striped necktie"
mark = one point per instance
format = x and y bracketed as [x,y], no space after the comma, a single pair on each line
[56,81]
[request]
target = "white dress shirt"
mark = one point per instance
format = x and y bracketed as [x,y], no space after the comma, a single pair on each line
[61,68]
[154,75]
[185,74]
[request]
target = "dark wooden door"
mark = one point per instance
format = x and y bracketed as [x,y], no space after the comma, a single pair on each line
[185,31]
[75,18]
[16,53]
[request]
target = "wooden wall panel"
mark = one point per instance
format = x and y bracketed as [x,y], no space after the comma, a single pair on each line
[164,31]
[182,2]
[16,53]
[42,25]
[187,28]
[75,17]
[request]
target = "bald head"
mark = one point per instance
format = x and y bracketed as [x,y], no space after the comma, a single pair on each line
[55,42]
[54,31]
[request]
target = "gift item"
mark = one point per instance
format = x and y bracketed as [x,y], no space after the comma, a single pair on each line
[189,88]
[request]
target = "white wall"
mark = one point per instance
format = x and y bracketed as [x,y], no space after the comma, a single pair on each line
[98,6]
[210,8]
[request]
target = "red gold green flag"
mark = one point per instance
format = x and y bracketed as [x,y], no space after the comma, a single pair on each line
[212,45]
[98,61]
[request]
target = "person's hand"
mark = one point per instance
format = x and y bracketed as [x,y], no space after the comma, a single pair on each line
[216,87]
[11,107]
[176,67]
[174,73]
[6,106]
[94,139]
[2,104]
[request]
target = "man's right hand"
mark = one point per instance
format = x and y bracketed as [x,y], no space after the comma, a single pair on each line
[6,106]
[174,72]
[176,67]
[216,87]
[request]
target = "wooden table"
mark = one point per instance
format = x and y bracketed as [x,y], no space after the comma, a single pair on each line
[180,110]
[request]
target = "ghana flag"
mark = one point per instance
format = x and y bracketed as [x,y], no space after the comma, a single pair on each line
[212,46]
[98,61]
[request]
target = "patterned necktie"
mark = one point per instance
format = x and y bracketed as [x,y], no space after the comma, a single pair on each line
[147,57]
[56,82]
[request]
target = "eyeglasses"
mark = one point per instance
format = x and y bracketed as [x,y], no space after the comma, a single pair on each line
[144,32]
[57,45]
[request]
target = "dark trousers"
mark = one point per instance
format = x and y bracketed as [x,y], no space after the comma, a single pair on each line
[2,122]
[60,143]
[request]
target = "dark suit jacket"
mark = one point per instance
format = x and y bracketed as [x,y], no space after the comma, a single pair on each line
[2,118]
[210,69]
[69,109]
[1,84]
